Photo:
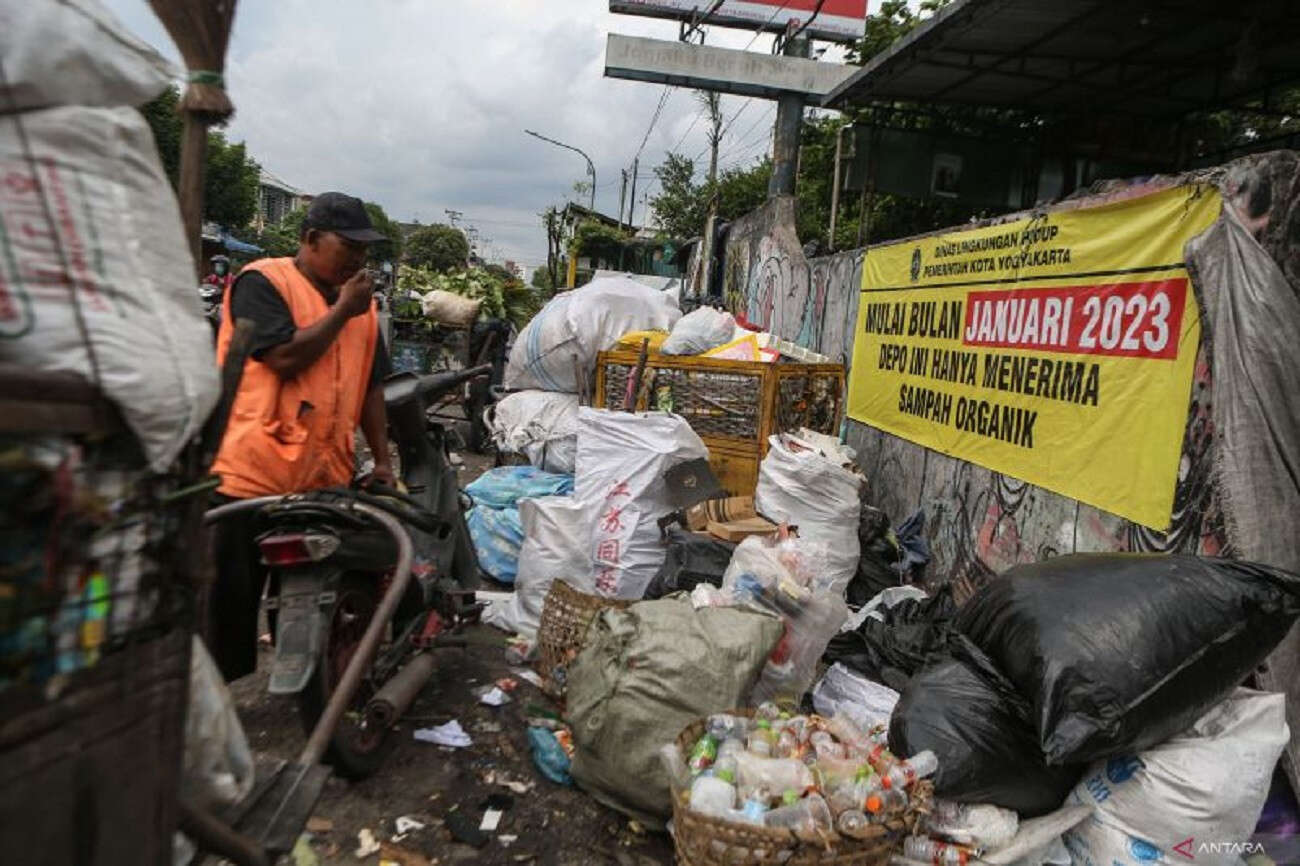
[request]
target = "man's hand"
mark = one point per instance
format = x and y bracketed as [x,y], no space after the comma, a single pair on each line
[383,476]
[355,295]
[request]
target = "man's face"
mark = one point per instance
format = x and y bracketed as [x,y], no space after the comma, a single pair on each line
[332,257]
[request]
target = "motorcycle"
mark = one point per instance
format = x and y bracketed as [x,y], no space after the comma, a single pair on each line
[211,297]
[331,563]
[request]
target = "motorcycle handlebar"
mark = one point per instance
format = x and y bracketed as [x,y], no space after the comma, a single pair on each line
[437,384]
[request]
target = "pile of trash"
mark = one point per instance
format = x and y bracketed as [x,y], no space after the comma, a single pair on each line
[812,775]
[1070,709]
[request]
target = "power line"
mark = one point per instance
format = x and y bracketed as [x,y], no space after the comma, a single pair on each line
[663,99]
[698,115]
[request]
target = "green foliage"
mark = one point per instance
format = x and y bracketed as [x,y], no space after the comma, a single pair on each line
[598,241]
[391,249]
[437,247]
[278,240]
[504,297]
[230,185]
[165,122]
[682,205]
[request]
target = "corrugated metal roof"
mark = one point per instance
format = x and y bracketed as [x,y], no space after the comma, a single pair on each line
[1150,57]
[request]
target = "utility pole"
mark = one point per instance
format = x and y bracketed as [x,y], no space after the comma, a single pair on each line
[789,119]
[631,204]
[622,198]
[713,102]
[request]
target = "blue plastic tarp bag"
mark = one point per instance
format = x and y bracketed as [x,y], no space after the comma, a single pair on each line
[504,486]
[497,535]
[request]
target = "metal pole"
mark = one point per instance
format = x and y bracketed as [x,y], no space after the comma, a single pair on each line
[835,185]
[631,202]
[591,168]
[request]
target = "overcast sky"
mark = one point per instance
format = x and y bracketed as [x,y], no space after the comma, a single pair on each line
[421,105]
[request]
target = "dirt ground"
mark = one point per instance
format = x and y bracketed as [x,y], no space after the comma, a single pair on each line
[553,825]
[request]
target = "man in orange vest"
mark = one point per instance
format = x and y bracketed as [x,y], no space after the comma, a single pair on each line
[315,374]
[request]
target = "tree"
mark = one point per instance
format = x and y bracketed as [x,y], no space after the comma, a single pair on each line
[438,247]
[230,185]
[682,205]
[391,249]
[278,239]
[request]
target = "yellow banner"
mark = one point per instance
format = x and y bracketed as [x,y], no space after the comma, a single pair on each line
[1058,349]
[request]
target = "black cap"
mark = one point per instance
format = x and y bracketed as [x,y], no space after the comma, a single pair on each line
[342,214]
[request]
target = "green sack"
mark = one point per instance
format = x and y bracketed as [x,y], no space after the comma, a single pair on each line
[644,674]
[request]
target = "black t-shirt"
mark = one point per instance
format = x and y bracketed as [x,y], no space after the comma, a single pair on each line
[253,297]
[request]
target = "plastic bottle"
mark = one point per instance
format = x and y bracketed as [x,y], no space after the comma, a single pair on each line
[703,754]
[724,768]
[853,823]
[774,774]
[937,853]
[787,745]
[903,774]
[884,803]
[730,748]
[722,726]
[752,812]
[712,796]
[825,746]
[807,817]
[767,711]
[848,733]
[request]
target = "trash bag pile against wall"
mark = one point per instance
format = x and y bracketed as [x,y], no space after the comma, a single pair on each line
[892,646]
[972,718]
[878,560]
[802,481]
[561,342]
[622,458]
[1207,784]
[541,425]
[1119,652]
[645,674]
[557,536]
[692,558]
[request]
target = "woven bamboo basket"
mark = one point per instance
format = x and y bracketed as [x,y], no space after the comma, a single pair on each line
[566,614]
[703,840]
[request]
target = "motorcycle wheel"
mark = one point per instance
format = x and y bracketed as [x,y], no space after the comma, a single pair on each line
[354,751]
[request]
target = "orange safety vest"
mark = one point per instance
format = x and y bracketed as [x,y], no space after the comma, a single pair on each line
[290,435]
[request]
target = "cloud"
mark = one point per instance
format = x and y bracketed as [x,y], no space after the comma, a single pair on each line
[420,105]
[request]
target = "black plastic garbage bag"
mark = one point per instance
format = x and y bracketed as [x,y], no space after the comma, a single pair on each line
[692,559]
[962,709]
[1118,652]
[878,562]
[891,651]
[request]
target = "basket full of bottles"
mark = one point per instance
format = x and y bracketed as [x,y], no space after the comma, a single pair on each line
[766,786]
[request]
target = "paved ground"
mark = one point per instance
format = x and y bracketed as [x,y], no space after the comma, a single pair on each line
[554,826]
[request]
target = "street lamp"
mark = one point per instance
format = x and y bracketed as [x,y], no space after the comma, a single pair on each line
[590,168]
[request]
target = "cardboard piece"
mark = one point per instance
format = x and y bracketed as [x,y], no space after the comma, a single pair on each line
[720,510]
[739,530]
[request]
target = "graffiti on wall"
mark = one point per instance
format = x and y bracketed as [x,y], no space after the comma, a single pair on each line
[811,302]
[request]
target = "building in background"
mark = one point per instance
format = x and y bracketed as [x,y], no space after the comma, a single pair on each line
[275,199]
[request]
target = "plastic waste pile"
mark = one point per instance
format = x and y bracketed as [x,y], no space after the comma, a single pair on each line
[813,775]
[787,577]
